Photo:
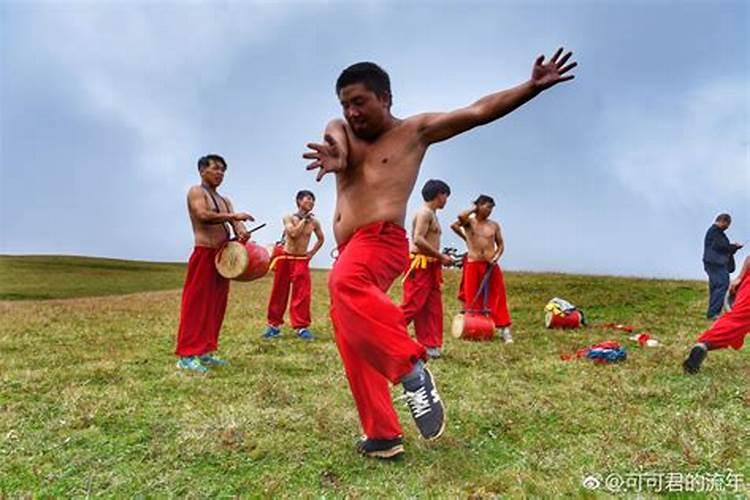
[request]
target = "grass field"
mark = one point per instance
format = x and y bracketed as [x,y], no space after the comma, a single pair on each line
[91,403]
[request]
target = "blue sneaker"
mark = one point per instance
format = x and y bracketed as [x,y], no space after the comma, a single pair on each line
[271,332]
[305,334]
[208,360]
[191,363]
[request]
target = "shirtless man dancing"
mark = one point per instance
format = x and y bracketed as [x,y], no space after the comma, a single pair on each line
[422,300]
[376,159]
[485,243]
[292,270]
[204,296]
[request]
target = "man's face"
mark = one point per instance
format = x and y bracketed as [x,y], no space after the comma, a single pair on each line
[365,111]
[724,224]
[213,174]
[484,210]
[306,203]
[442,199]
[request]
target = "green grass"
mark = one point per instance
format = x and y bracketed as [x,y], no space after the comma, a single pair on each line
[35,277]
[91,403]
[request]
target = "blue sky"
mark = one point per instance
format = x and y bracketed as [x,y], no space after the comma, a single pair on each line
[105,108]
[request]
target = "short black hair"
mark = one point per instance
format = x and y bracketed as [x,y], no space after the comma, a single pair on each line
[301,194]
[483,198]
[724,218]
[205,161]
[370,74]
[434,187]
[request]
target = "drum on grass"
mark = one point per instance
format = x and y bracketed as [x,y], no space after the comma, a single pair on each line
[242,262]
[573,319]
[473,326]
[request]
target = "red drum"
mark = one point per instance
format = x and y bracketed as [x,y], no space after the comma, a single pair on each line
[239,262]
[573,319]
[473,326]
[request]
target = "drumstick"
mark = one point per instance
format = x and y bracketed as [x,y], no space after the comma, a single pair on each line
[256,228]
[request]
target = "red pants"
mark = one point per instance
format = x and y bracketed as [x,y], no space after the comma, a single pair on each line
[370,329]
[496,301]
[204,301]
[423,303]
[291,273]
[732,327]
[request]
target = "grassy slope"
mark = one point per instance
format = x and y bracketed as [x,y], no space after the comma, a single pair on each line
[91,401]
[59,277]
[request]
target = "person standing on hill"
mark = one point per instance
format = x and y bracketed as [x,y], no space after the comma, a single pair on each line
[292,270]
[204,295]
[718,262]
[484,240]
[422,300]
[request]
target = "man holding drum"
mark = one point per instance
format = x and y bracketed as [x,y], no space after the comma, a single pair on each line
[376,158]
[204,295]
[292,270]
[422,300]
[484,240]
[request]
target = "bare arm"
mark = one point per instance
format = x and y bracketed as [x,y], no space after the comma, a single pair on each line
[463,217]
[239,227]
[198,206]
[319,239]
[332,154]
[457,228]
[499,244]
[436,127]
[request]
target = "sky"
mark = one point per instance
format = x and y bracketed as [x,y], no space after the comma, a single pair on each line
[105,108]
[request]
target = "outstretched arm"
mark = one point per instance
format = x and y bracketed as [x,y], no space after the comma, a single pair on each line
[436,127]
[332,154]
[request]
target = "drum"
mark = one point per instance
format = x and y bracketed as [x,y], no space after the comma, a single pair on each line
[573,319]
[473,326]
[239,262]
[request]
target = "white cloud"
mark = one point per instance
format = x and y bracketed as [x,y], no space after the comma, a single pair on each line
[690,147]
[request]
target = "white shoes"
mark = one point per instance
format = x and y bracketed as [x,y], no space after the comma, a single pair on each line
[505,335]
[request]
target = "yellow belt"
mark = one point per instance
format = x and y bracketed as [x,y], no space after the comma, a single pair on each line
[276,259]
[418,261]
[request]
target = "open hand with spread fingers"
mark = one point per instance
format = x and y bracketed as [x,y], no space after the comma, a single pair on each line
[327,157]
[545,75]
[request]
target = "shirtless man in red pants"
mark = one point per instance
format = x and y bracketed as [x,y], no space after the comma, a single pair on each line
[376,158]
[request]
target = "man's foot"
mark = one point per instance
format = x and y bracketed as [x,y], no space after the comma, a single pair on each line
[380,448]
[209,360]
[305,334]
[505,335]
[433,352]
[191,363]
[693,362]
[271,332]
[424,403]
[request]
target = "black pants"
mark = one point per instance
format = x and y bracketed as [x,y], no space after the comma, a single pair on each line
[718,284]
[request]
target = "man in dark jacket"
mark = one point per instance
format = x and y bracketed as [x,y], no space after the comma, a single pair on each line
[718,261]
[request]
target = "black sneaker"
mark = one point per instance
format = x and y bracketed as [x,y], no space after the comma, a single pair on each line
[426,408]
[693,362]
[380,448]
